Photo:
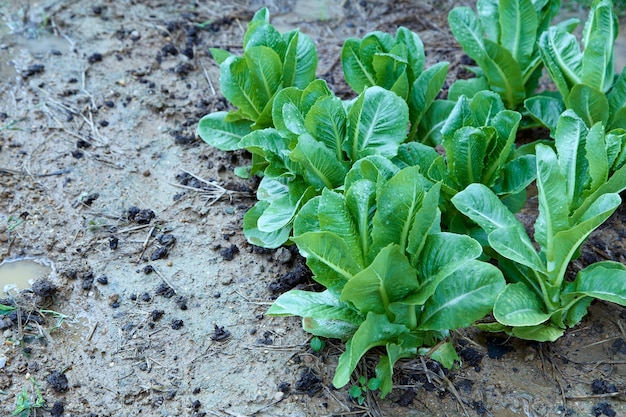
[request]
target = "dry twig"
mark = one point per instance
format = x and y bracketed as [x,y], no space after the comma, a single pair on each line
[212,191]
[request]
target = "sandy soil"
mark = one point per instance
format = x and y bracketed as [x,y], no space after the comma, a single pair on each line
[162,299]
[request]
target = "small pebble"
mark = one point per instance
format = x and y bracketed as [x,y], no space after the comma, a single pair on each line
[282,255]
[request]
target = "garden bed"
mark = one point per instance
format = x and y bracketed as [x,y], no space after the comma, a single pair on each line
[163,301]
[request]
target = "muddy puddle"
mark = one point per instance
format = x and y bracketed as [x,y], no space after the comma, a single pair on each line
[19,274]
[24,33]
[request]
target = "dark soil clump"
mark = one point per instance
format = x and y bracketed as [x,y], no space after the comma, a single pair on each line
[181,302]
[600,386]
[479,407]
[497,347]
[32,70]
[157,314]
[219,333]
[165,290]
[95,57]
[58,381]
[619,346]
[44,288]
[291,279]
[159,253]
[407,397]
[603,408]
[308,382]
[472,357]
[229,253]
[266,339]
[139,216]
[57,409]
[24,317]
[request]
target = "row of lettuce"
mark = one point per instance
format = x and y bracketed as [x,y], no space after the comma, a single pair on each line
[403,203]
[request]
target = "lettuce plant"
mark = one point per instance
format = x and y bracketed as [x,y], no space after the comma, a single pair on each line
[316,140]
[271,61]
[502,41]
[585,79]
[392,278]
[478,141]
[578,189]
[302,138]
[396,64]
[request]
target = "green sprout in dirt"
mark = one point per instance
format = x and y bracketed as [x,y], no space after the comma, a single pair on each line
[12,224]
[359,391]
[59,316]
[11,125]
[317,344]
[4,309]
[26,403]
[8,309]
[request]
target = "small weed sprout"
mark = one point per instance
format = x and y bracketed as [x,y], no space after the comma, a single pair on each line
[12,125]
[317,344]
[25,404]
[12,224]
[359,391]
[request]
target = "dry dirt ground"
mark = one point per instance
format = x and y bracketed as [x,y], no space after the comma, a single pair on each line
[153,303]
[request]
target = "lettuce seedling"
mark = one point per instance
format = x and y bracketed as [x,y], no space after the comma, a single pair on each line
[502,41]
[271,61]
[392,278]
[396,64]
[576,193]
[585,79]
